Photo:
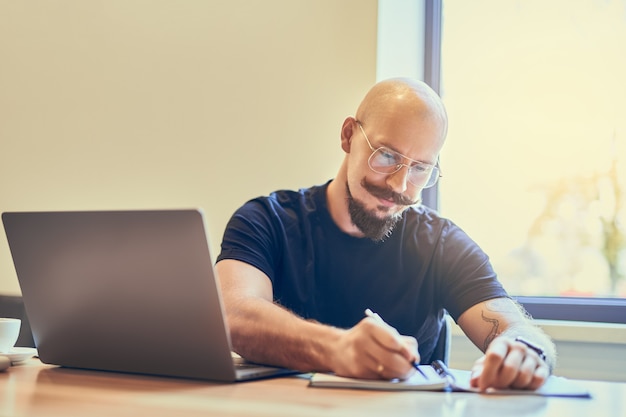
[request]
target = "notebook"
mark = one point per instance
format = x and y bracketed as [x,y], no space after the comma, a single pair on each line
[438,377]
[427,379]
[125,291]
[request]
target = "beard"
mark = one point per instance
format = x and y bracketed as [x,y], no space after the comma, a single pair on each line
[369,223]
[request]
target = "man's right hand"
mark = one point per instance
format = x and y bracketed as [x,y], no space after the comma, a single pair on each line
[374,350]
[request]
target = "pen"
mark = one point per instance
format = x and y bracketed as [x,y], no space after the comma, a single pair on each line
[443,370]
[376,316]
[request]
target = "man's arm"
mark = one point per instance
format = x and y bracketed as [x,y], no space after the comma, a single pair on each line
[264,332]
[493,326]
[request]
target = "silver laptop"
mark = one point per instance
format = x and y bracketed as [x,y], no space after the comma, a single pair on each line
[126,291]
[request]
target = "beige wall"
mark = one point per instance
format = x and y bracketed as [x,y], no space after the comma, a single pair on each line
[168,104]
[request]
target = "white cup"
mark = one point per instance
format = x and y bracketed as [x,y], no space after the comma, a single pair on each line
[9,332]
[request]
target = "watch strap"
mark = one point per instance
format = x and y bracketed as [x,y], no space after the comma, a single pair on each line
[532,346]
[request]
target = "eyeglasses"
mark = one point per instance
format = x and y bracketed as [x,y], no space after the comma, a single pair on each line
[387,161]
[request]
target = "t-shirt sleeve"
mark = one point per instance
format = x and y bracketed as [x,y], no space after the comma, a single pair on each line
[249,237]
[468,276]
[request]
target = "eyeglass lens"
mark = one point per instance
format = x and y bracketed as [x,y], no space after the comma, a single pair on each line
[386,161]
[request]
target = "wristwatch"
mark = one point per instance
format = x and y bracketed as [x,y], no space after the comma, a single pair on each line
[532,346]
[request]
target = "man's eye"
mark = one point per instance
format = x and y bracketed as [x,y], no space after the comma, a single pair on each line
[420,168]
[388,156]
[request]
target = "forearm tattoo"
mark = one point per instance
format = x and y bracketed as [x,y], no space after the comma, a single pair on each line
[503,307]
[495,326]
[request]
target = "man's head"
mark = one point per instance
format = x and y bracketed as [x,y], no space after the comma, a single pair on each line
[392,148]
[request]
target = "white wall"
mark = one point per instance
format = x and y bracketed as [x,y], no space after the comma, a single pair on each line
[167,104]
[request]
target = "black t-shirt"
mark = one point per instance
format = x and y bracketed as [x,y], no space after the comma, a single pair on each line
[428,264]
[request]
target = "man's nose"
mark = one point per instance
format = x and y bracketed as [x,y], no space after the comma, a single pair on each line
[398,181]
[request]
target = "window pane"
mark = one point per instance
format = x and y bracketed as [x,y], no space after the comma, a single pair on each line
[534,168]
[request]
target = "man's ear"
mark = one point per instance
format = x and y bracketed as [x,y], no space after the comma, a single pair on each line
[347,132]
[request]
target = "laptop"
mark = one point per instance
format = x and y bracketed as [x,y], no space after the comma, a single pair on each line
[125,291]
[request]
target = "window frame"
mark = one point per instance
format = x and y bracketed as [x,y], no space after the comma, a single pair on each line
[605,310]
[600,310]
[432,71]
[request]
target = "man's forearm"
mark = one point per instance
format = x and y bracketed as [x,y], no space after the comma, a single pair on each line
[267,333]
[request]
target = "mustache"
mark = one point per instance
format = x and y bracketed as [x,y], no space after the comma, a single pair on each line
[387,194]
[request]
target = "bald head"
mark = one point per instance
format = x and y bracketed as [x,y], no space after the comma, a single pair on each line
[403,98]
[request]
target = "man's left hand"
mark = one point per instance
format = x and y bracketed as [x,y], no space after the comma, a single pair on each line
[509,364]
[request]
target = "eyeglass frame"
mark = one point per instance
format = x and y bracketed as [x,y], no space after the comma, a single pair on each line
[399,166]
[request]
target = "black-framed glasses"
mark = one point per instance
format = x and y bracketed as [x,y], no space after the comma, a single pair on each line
[387,161]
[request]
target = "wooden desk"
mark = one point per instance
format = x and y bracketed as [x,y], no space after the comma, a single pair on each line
[33,389]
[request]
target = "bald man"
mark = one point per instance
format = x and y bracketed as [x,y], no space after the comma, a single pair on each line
[299,268]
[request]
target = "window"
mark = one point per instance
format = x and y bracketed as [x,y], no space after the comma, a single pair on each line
[535,162]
